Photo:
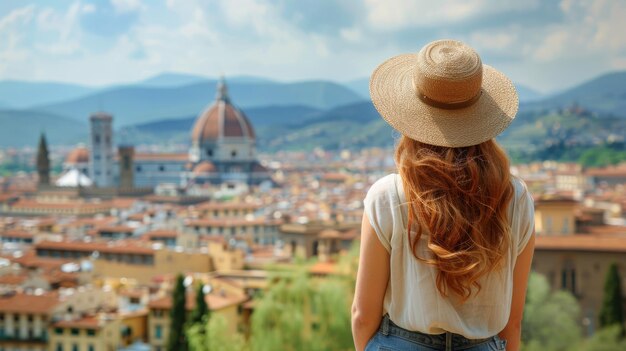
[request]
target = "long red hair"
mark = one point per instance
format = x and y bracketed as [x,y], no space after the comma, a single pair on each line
[459,197]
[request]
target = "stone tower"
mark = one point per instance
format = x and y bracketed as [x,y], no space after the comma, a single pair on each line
[43,161]
[126,155]
[101,155]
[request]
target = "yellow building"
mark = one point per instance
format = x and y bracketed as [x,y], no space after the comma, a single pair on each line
[25,317]
[101,332]
[24,320]
[555,216]
[128,259]
[220,301]
[579,264]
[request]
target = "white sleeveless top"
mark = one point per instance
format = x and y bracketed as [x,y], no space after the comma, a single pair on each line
[412,299]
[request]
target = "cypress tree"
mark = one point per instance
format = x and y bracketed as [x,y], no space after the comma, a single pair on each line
[177,340]
[201,309]
[612,311]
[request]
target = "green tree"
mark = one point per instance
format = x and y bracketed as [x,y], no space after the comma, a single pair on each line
[201,309]
[606,339]
[214,335]
[303,313]
[177,340]
[612,311]
[550,318]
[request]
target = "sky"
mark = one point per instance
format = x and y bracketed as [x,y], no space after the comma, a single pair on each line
[547,45]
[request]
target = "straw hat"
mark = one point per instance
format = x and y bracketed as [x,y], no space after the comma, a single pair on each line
[443,95]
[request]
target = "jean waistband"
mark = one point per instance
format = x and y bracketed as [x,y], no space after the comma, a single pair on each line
[447,340]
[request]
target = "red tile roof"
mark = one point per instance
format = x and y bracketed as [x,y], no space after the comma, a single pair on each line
[581,242]
[27,303]
[119,247]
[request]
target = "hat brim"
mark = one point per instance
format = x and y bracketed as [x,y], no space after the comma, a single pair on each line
[395,98]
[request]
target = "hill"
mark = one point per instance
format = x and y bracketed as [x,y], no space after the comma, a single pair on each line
[22,128]
[605,95]
[171,79]
[135,105]
[18,94]
[177,130]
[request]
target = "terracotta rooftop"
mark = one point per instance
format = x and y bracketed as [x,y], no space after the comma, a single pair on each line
[161,233]
[27,303]
[17,233]
[581,242]
[78,155]
[611,171]
[211,205]
[231,222]
[120,247]
[34,204]
[88,322]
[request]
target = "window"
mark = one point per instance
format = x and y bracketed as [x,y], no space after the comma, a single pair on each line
[91,332]
[96,139]
[138,168]
[568,277]
[75,331]
[158,332]
[162,168]
[74,347]
[548,229]
[209,152]
[565,228]
[233,153]
[90,347]
[59,346]
[126,162]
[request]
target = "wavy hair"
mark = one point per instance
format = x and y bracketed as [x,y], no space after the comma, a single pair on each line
[459,197]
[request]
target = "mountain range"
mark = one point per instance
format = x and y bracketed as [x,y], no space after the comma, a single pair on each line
[163,108]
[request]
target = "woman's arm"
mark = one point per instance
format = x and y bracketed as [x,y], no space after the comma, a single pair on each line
[371,284]
[513,330]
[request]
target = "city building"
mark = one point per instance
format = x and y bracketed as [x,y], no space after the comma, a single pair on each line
[223,152]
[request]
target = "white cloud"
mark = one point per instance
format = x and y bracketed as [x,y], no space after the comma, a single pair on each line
[352,34]
[12,28]
[21,15]
[398,14]
[257,37]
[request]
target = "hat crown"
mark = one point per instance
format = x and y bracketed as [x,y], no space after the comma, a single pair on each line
[448,72]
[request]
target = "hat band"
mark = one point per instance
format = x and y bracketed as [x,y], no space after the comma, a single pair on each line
[449,105]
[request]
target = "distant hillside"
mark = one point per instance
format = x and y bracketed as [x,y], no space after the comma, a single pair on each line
[19,128]
[605,94]
[527,94]
[179,129]
[135,105]
[170,79]
[18,94]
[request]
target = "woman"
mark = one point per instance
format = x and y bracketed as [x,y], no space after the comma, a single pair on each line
[446,244]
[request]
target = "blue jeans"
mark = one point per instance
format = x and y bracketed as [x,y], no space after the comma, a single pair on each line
[390,337]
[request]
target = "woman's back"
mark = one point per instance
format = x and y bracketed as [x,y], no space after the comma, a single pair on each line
[462,268]
[412,299]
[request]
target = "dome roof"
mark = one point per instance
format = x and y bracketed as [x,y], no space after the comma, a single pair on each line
[78,155]
[203,168]
[221,120]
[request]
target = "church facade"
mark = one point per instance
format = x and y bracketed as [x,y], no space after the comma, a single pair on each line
[222,152]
